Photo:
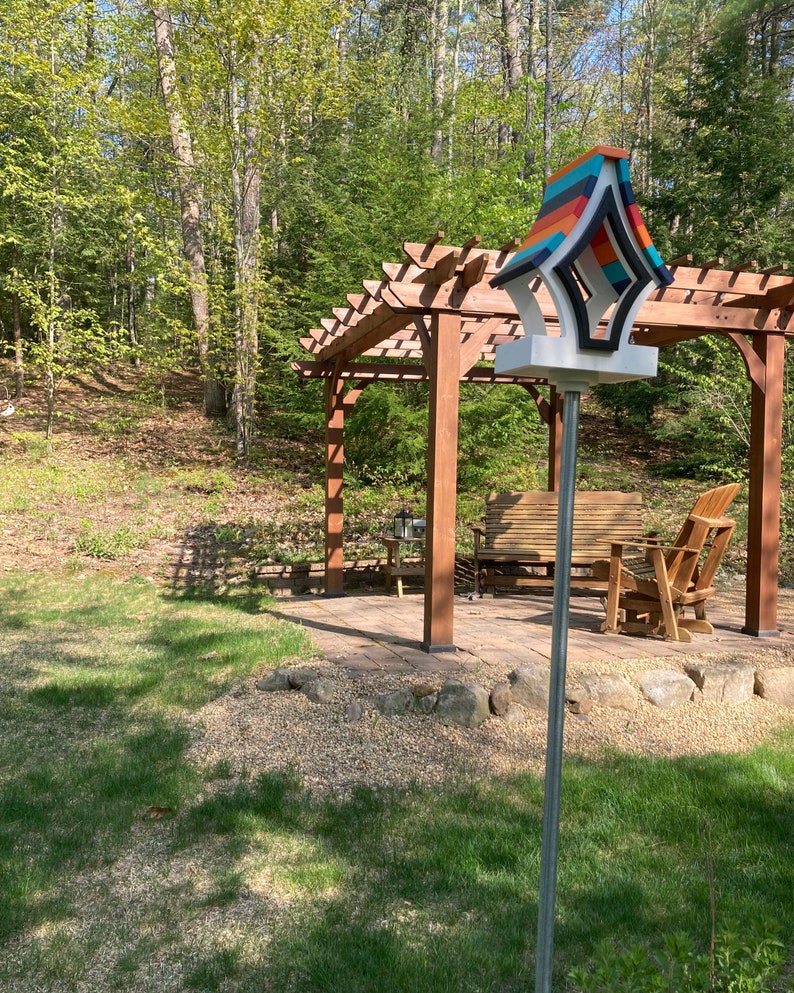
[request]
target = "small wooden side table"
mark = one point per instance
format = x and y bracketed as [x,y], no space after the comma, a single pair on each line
[394,567]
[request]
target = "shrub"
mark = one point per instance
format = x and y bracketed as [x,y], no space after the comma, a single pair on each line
[739,964]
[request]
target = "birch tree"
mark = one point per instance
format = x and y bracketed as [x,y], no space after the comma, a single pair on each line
[190,192]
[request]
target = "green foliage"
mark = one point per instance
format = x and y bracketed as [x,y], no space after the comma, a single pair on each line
[717,189]
[743,962]
[501,438]
[386,435]
[503,444]
[109,542]
[697,410]
[633,403]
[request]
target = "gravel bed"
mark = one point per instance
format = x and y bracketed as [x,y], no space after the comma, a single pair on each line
[251,731]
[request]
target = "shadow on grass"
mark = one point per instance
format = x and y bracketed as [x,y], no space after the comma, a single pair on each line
[415,889]
[73,808]
[90,671]
[438,891]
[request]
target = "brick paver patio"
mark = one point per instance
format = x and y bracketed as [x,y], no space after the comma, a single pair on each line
[370,633]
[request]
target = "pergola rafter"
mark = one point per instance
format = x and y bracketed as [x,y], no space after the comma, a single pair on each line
[434,316]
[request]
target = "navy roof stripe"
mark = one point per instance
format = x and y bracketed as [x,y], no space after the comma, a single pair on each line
[584,188]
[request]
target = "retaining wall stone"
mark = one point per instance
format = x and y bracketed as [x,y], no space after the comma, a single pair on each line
[611,690]
[724,682]
[666,689]
[775,685]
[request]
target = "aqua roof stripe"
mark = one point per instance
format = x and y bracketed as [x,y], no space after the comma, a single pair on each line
[590,167]
[615,273]
[530,258]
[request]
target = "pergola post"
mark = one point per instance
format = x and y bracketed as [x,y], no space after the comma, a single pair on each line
[443,363]
[337,404]
[763,524]
[334,467]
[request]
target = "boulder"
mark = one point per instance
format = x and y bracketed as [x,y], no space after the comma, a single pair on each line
[277,681]
[530,686]
[393,704]
[611,690]
[665,688]
[319,690]
[724,682]
[514,714]
[354,712]
[462,703]
[776,685]
[426,704]
[578,700]
[298,678]
[501,698]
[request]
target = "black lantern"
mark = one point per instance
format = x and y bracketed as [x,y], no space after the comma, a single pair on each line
[403,524]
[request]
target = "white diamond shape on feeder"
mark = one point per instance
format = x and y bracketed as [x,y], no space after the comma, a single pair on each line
[592,251]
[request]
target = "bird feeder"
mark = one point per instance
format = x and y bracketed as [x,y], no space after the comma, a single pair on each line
[589,249]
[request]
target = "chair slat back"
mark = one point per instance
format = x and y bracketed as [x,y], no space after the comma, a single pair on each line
[707,515]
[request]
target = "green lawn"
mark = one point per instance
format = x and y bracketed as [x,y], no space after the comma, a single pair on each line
[253,885]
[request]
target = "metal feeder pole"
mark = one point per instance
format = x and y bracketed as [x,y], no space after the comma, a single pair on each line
[559,655]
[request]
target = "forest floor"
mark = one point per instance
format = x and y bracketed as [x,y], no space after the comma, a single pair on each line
[139,474]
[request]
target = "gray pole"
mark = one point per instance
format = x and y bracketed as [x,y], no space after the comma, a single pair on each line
[559,655]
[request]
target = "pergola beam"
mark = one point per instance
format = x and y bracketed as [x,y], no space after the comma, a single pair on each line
[402,373]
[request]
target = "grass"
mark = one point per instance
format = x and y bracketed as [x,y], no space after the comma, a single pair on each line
[94,678]
[255,885]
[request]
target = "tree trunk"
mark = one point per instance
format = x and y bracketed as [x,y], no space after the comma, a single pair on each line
[530,111]
[511,62]
[132,330]
[190,193]
[453,85]
[548,94]
[53,227]
[440,22]
[246,183]
[19,355]
[52,301]
[646,123]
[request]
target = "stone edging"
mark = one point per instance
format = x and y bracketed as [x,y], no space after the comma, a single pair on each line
[469,704]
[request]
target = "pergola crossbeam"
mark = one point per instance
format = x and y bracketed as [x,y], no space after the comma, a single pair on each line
[368,372]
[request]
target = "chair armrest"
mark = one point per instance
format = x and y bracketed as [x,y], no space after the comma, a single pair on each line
[713,522]
[644,543]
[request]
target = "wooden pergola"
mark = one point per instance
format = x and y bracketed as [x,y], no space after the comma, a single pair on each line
[434,317]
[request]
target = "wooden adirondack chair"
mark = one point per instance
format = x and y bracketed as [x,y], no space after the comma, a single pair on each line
[648,595]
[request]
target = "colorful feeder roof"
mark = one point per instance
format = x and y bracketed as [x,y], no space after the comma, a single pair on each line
[567,196]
